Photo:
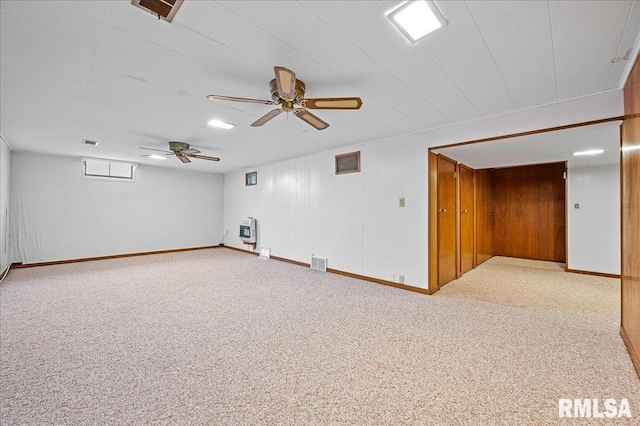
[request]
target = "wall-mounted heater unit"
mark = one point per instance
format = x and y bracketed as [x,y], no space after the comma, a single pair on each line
[248,230]
[319,263]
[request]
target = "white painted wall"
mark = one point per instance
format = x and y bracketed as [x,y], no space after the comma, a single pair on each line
[302,207]
[57,215]
[5,175]
[594,228]
[354,220]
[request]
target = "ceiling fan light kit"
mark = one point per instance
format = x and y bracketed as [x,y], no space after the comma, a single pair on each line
[288,92]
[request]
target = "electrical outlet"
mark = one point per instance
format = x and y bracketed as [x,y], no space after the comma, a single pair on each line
[392,277]
[576,206]
[401,279]
[401,203]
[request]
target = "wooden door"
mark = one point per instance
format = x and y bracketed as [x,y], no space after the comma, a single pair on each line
[530,212]
[484,216]
[630,211]
[467,222]
[447,258]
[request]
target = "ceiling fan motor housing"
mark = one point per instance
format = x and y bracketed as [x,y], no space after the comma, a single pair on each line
[178,146]
[299,92]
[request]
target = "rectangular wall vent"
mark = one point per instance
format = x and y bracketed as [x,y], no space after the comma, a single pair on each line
[88,142]
[162,9]
[319,263]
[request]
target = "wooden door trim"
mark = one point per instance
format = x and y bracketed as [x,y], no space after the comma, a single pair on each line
[458,232]
[432,218]
[532,132]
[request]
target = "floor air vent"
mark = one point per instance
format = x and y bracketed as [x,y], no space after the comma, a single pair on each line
[319,263]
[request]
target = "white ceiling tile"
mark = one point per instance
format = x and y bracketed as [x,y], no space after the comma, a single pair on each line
[12,28]
[108,60]
[259,45]
[195,45]
[461,53]
[246,69]
[391,117]
[290,22]
[355,66]
[578,47]
[168,80]
[197,16]
[176,63]
[12,8]
[91,8]
[47,61]
[629,38]
[329,11]
[223,83]
[507,27]
[248,9]
[433,85]
[106,83]
[62,20]
[126,44]
[15,50]
[361,21]
[60,45]
[326,46]
[494,61]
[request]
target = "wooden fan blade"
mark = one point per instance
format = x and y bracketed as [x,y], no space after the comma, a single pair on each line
[159,150]
[231,98]
[332,103]
[204,157]
[310,118]
[183,158]
[189,151]
[260,121]
[286,81]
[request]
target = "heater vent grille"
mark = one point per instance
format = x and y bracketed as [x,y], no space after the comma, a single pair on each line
[163,9]
[319,263]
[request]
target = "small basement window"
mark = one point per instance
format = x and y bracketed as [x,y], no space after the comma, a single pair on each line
[348,163]
[251,178]
[105,169]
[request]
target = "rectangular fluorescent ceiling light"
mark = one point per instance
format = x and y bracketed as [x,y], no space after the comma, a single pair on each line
[221,124]
[157,157]
[417,19]
[589,152]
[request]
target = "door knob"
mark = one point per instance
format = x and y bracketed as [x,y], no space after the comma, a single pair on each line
[463,211]
[443,210]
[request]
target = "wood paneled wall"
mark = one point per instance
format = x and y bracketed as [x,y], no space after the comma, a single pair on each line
[630,220]
[484,216]
[530,212]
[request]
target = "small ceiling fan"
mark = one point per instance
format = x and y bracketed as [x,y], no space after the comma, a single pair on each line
[181,150]
[288,92]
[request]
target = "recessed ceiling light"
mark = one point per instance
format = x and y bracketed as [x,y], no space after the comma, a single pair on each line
[589,152]
[417,19]
[221,124]
[157,157]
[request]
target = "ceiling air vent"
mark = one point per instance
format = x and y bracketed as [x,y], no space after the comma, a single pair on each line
[88,142]
[163,9]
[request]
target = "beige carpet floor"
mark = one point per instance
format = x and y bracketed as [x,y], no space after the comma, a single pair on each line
[537,284]
[220,337]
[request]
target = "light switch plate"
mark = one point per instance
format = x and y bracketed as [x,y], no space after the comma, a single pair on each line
[401,202]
